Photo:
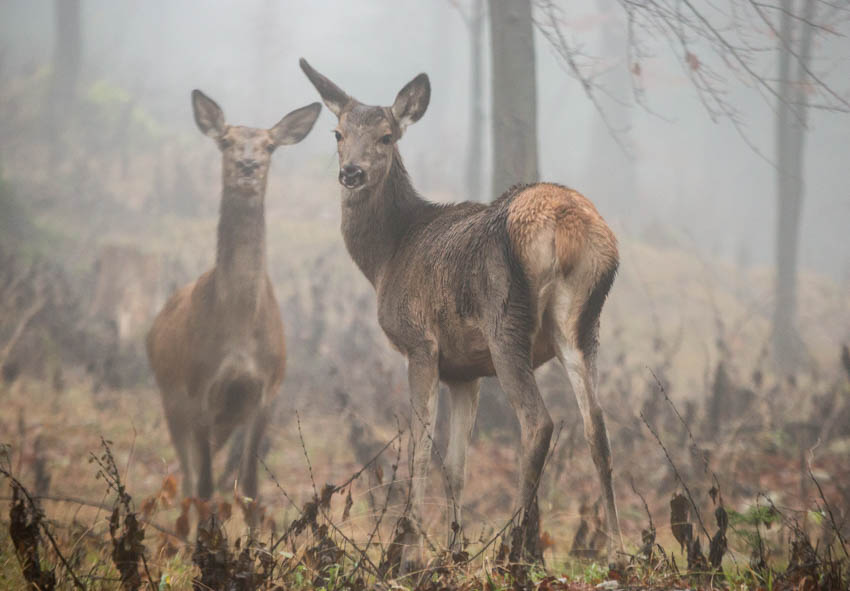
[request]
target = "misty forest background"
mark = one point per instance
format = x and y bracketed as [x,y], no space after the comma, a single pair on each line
[713,138]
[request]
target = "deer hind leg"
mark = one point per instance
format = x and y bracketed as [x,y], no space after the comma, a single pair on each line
[234,460]
[251,453]
[464,405]
[423,376]
[233,402]
[512,361]
[577,353]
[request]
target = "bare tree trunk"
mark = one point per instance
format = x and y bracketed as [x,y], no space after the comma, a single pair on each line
[791,116]
[514,94]
[612,171]
[476,113]
[67,51]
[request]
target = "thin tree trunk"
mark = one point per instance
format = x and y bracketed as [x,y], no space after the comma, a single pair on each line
[67,51]
[476,113]
[514,94]
[791,116]
[611,170]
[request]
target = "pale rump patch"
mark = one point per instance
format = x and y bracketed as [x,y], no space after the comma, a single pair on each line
[551,214]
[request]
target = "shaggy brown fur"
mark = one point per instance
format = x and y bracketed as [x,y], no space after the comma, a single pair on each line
[217,346]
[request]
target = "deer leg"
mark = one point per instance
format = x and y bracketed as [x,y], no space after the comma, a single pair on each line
[250,455]
[581,370]
[248,468]
[235,404]
[516,375]
[423,376]
[464,404]
[203,457]
[179,437]
[234,460]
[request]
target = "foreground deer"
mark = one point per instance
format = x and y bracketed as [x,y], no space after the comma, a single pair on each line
[468,290]
[217,346]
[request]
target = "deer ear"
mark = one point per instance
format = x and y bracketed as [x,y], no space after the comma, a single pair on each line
[332,95]
[295,126]
[208,115]
[412,101]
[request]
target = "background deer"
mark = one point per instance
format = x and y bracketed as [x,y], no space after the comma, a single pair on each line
[469,290]
[217,346]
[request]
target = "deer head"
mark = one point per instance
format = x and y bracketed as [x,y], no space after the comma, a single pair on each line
[246,151]
[366,135]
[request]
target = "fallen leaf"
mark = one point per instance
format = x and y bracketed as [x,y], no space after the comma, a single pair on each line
[182,526]
[148,506]
[348,504]
[692,60]
[680,509]
[169,487]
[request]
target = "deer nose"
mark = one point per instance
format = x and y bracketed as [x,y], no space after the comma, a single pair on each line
[247,166]
[351,176]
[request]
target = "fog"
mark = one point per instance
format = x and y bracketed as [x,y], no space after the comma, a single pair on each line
[723,361]
[693,175]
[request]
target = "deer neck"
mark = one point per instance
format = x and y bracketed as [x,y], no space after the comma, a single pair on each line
[374,220]
[240,269]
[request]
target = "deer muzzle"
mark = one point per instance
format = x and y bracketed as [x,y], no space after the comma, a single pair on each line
[351,176]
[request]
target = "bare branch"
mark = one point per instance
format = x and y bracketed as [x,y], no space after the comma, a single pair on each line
[736,46]
[551,31]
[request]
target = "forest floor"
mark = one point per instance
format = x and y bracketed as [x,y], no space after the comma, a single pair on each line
[99,466]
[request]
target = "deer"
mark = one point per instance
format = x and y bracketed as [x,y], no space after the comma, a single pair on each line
[217,347]
[468,290]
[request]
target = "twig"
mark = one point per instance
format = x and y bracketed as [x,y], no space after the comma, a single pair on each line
[643,500]
[550,453]
[17,484]
[681,420]
[676,472]
[386,504]
[374,459]
[826,504]
[306,457]
[551,31]
[318,500]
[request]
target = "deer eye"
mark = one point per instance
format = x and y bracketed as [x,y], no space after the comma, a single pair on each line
[270,148]
[337,135]
[224,143]
[387,139]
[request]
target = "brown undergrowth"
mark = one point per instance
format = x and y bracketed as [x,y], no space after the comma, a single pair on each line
[723,531]
[742,483]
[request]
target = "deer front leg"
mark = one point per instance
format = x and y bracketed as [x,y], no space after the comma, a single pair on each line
[423,376]
[463,407]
